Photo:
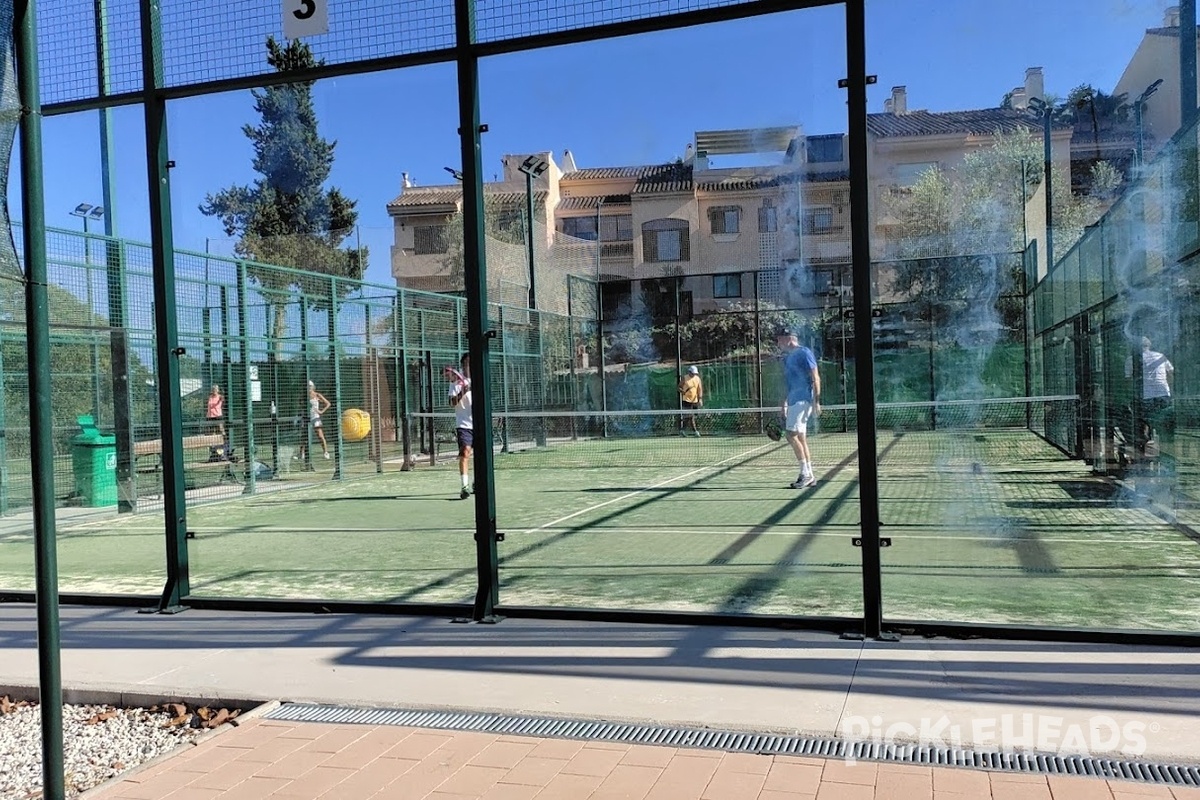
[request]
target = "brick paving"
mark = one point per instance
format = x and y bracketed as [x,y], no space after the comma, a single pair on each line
[313,761]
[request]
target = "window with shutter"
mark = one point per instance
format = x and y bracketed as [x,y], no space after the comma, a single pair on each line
[768,219]
[429,239]
[665,240]
[724,219]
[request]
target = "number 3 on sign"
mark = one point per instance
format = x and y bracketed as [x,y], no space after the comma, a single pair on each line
[305,18]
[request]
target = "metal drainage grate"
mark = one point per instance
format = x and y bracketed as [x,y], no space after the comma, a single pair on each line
[735,741]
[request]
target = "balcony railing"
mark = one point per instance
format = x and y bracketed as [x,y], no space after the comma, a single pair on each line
[616,250]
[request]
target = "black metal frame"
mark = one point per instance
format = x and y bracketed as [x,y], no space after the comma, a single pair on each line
[467,54]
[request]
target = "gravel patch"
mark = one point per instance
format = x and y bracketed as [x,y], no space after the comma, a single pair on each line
[99,742]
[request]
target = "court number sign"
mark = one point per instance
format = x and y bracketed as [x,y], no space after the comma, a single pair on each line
[305,18]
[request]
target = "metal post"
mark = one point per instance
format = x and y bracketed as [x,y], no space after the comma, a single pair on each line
[678,352]
[338,449]
[91,321]
[1029,268]
[118,348]
[1139,146]
[758,355]
[400,359]
[503,380]
[932,369]
[41,421]
[4,478]
[487,562]
[114,275]
[427,384]
[243,301]
[860,250]
[600,360]
[167,347]
[304,412]
[372,390]
[1048,157]
[571,355]
[540,428]
[1187,64]
[226,356]
[529,238]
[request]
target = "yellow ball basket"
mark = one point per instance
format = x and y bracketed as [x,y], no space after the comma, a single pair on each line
[356,425]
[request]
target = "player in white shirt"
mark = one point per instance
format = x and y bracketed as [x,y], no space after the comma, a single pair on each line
[1152,393]
[464,424]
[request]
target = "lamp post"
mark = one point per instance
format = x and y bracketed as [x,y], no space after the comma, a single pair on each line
[532,167]
[87,212]
[1138,106]
[1040,108]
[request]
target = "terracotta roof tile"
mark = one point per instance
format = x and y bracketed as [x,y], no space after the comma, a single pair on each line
[591,202]
[664,178]
[609,173]
[450,196]
[978,122]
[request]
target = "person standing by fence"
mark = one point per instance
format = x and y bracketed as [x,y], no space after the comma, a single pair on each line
[215,412]
[464,421]
[316,405]
[1151,398]
[691,395]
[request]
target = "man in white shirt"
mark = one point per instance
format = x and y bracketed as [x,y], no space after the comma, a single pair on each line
[1152,394]
[464,423]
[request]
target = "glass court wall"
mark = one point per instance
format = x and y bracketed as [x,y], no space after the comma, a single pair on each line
[660,188]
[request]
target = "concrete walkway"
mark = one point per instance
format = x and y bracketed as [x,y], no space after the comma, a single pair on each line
[1142,700]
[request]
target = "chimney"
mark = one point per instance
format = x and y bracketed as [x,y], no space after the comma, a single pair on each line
[689,153]
[568,161]
[1035,84]
[1018,100]
[405,182]
[899,101]
[887,106]
[1171,17]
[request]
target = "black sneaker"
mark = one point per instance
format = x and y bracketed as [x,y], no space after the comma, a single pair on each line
[803,482]
[464,494]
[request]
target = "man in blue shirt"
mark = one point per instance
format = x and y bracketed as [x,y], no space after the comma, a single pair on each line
[803,382]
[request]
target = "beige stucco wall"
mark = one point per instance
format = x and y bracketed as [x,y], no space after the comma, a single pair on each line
[1156,57]
[647,207]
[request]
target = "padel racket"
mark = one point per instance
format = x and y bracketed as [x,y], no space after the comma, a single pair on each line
[453,375]
[774,429]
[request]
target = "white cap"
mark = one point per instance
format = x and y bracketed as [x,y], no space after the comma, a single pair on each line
[693,370]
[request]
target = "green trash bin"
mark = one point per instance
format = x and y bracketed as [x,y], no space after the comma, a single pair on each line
[94,458]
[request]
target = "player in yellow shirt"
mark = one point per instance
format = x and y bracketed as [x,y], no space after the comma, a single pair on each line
[691,394]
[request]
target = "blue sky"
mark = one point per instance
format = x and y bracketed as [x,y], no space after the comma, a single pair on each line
[626,101]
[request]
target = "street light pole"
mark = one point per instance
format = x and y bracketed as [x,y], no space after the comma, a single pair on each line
[1138,107]
[532,167]
[1043,109]
[529,238]
[88,212]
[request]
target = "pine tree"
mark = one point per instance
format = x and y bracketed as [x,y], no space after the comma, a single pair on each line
[287,217]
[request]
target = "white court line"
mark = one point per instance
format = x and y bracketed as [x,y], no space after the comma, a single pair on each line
[652,487]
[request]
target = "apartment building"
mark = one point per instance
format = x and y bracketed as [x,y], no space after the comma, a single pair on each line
[1156,59]
[731,230]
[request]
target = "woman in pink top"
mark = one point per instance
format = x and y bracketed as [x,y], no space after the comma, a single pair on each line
[216,410]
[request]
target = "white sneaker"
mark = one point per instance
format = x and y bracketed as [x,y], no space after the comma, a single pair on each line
[804,482]
[327,456]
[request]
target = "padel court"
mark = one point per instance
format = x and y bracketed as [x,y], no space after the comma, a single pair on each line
[988,522]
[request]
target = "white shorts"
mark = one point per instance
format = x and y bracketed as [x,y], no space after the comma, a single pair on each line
[797,416]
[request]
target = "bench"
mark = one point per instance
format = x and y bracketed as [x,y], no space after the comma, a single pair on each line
[191,444]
